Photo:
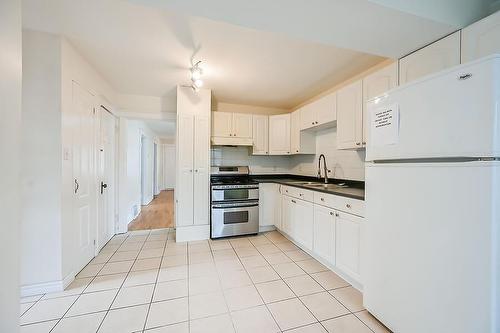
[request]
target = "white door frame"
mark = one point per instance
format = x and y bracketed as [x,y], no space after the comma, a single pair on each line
[143,168]
[106,153]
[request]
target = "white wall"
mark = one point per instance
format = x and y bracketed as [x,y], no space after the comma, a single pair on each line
[10,113]
[168,166]
[41,173]
[130,185]
[344,164]
[49,235]
[75,68]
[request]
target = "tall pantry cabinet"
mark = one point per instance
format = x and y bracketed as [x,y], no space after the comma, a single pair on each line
[192,195]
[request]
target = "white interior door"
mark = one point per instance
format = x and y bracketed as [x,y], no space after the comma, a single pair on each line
[106,169]
[84,210]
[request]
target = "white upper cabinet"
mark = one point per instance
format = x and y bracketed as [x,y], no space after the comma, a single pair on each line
[222,124]
[301,142]
[231,128]
[481,38]
[279,134]
[439,55]
[376,84]
[350,116]
[242,125]
[260,135]
[320,113]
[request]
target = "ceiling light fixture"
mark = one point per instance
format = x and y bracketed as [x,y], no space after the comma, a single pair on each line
[196,73]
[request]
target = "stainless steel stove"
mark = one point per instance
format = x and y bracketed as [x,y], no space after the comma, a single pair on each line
[234,202]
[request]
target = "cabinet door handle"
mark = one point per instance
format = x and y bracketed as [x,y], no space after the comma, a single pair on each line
[196,170]
[230,134]
[348,205]
[358,143]
[77,186]
[337,214]
[364,142]
[322,199]
[316,122]
[294,201]
[301,194]
[331,213]
[234,134]
[312,123]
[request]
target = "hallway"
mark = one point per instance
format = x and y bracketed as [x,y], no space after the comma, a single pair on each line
[157,215]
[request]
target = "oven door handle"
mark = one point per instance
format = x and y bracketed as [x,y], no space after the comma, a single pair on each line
[225,206]
[223,188]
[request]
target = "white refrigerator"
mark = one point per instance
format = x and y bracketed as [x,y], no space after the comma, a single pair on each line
[431,252]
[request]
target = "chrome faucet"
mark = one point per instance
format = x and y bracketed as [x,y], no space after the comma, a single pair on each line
[324,167]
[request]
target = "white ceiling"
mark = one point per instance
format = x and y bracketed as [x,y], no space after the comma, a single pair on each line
[162,128]
[146,50]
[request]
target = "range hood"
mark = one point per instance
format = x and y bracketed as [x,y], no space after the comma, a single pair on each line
[225,141]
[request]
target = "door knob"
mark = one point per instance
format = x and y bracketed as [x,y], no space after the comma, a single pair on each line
[103,186]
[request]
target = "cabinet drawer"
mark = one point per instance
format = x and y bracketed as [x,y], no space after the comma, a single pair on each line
[344,204]
[298,193]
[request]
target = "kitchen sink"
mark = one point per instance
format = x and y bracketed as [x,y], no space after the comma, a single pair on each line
[304,183]
[327,186]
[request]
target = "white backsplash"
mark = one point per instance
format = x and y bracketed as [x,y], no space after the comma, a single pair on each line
[344,164]
[257,164]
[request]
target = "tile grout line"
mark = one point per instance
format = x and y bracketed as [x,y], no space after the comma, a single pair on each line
[222,289]
[253,283]
[126,276]
[156,282]
[324,290]
[85,288]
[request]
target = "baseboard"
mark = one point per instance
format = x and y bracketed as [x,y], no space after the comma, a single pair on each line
[47,287]
[266,228]
[192,233]
[354,283]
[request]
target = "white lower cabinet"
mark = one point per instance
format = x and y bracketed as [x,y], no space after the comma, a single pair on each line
[269,205]
[286,214]
[302,222]
[348,243]
[298,221]
[324,233]
[330,234]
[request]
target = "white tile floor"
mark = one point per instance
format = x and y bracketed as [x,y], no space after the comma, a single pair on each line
[146,282]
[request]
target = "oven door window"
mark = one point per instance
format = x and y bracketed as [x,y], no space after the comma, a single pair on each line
[236,217]
[236,194]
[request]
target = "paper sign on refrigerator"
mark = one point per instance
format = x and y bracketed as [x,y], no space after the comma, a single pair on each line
[384,126]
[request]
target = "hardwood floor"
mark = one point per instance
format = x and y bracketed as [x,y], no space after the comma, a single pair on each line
[158,214]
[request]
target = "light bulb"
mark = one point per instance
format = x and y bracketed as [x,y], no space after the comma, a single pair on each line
[196,73]
[198,83]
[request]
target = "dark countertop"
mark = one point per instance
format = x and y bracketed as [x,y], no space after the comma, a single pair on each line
[355,189]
